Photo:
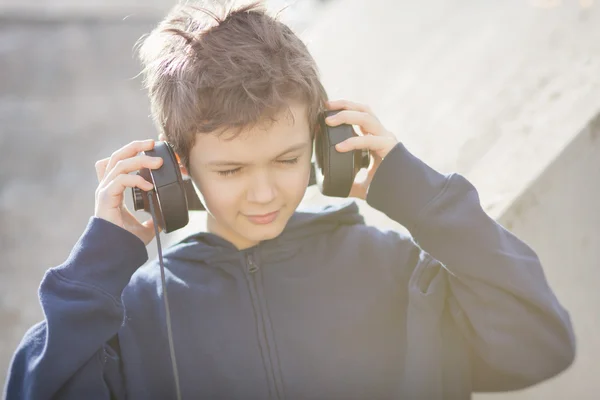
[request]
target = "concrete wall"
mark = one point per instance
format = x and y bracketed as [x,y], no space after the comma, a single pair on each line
[52,8]
[559,216]
[67,99]
[491,89]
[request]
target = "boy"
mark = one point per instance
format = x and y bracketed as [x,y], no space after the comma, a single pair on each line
[272,301]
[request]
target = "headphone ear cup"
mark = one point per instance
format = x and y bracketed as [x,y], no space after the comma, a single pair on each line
[140,198]
[169,195]
[335,171]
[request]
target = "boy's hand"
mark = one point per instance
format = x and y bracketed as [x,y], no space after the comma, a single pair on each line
[378,140]
[114,178]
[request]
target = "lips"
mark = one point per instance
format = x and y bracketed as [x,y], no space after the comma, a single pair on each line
[261,215]
[264,218]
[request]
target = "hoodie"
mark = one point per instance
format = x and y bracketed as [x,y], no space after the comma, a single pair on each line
[330,309]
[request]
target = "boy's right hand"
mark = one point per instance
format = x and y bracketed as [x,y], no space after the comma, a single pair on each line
[114,178]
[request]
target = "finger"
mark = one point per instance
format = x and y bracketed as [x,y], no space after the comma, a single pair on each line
[149,224]
[101,168]
[371,142]
[149,230]
[111,195]
[348,105]
[131,220]
[129,151]
[367,122]
[130,165]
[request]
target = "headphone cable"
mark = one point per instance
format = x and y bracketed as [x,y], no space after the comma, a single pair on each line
[166,298]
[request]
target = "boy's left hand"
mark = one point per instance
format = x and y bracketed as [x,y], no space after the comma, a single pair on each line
[373,137]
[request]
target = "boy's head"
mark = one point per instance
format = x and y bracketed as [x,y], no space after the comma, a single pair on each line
[238,86]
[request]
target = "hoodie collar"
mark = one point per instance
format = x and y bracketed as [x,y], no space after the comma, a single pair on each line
[307,221]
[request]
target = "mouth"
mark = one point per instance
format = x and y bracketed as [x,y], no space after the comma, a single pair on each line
[264,218]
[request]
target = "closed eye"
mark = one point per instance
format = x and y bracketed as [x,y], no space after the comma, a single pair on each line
[229,172]
[236,170]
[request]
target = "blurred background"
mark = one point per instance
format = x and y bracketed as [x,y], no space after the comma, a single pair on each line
[506,93]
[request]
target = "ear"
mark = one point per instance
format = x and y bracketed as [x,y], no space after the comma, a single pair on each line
[184,171]
[182,168]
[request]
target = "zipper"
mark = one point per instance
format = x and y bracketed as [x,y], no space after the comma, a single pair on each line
[252,266]
[267,346]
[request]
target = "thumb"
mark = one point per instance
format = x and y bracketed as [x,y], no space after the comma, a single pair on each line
[147,233]
[149,224]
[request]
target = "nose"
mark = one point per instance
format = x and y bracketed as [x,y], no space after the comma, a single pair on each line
[262,188]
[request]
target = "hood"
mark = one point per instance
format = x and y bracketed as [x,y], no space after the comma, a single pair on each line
[308,220]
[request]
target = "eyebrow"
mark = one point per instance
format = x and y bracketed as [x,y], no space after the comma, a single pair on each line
[294,147]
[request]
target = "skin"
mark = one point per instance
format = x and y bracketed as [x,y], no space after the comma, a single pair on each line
[263,178]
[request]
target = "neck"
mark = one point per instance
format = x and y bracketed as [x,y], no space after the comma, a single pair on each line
[240,242]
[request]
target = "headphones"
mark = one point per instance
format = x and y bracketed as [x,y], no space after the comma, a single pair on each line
[174,197]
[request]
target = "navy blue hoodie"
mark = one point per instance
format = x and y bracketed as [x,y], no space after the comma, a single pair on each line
[330,309]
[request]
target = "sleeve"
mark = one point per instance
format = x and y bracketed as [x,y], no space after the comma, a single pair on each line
[73,353]
[517,332]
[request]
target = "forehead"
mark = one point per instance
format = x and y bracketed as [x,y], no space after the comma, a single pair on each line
[264,139]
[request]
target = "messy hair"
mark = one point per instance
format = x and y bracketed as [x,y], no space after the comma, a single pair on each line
[216,70]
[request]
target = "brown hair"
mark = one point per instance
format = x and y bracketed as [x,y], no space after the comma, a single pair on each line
[211,71]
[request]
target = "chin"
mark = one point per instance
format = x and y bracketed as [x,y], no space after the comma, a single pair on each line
[263,232]
[259,233]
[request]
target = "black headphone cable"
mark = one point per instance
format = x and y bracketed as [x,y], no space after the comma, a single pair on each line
[166,298]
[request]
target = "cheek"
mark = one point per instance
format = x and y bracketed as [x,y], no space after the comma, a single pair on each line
[225,193]
[219,196]
[295,182]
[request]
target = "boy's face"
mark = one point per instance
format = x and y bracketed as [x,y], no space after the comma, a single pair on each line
[264,170]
